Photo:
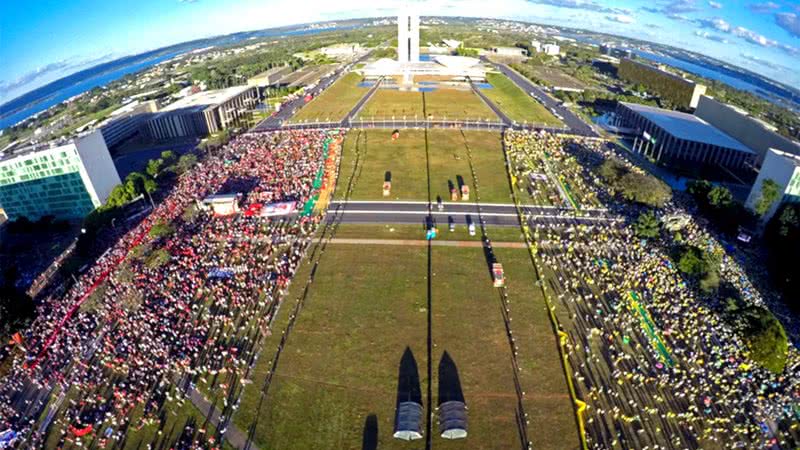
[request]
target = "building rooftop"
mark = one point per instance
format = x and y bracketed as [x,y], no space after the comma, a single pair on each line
[788,157]
[36,148]
[204,99]
[268,73]
[688,127]
[660,69]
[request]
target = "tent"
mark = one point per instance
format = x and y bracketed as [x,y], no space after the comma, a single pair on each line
[453,420]
[408,423]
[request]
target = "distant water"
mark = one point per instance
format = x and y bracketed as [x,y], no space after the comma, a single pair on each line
[92,81]
[88,84]
[702,71]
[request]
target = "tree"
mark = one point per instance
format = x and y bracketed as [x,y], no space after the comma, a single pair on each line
[16,308]
[720,197]
[699,189]
[770,193]
[186,162]
[789,221]
[761,331]
[149,185]
[692,263]
[647,225]
[767,341]
[135,184]
[119,196]
[645,189]
[154,167]
[169,158]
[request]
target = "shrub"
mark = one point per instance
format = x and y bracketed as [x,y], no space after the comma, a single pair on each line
[157,258]
[647,225]
[634,186]
[762,332]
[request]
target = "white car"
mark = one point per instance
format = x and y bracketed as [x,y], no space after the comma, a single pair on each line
[472,229]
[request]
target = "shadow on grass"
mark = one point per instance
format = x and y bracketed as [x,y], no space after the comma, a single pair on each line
[449,381]
[408,385]
[369,440]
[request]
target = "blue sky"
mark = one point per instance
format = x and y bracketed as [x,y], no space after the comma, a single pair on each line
[41,41]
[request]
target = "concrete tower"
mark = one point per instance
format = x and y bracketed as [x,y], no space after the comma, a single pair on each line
[407,37]
[402,38]
[413,44]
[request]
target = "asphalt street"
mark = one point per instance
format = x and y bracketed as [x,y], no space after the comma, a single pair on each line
[459,213]
[575,123]
[288,110]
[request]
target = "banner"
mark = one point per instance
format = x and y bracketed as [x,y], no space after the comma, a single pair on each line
[278,209]
[7,438]
[226,272]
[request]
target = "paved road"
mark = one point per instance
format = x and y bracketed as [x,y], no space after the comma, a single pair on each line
[497,111]
[357,109]
[575,123]
[459,213]
[424,243]
[288,110]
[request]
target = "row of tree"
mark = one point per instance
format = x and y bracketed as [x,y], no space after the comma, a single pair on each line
[635,186]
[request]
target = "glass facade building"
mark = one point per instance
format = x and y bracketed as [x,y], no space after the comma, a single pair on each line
[67,181]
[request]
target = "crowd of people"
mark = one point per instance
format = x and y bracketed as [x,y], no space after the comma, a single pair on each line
[548,173]
[655,363]
[134,330]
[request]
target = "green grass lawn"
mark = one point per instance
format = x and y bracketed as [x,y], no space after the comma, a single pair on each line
[457,104]
[439,104]
[406,158]
[340,364]
[388,103]
[335,102]
[517,104]
[416,232]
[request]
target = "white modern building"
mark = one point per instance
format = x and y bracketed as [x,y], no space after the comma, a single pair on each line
[551,49]
[407,38]
[752,132]
[536,46]
[784,169]
[126,121]
[203,113]
[457,67]
[342,51]
[408,64]
[66,180]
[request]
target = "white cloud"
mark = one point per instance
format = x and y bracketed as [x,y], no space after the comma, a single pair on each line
[752,36]
[621,18]
[710,37]
[763,8]
[715,5]
[716,23]
[789,22]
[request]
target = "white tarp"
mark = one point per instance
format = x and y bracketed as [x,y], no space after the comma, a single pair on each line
[279,209]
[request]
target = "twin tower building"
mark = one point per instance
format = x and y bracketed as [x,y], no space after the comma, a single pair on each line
[407,38]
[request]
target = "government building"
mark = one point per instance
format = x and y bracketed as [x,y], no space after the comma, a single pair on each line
[67,181]
[203,113]
[678,139]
